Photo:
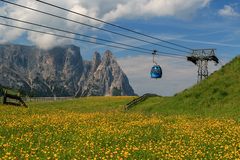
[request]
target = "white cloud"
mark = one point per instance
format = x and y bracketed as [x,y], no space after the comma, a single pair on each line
[8,34]
[153,8]
[45,41]
[108,10]
[178,74]
[228,11]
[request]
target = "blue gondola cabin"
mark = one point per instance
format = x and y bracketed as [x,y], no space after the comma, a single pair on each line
[156,72]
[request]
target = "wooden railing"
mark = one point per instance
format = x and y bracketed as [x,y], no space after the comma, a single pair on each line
[139,100]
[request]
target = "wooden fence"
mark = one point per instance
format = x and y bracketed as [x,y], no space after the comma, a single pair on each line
[43,99]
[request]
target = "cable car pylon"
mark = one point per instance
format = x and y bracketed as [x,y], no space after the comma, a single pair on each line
[201,57]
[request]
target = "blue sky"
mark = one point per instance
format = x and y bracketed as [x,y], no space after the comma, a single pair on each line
[195,24]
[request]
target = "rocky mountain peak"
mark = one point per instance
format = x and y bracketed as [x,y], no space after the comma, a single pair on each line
[96,60]
[109,78]
[96,57]
[61,71]
[108,59]
[108,54]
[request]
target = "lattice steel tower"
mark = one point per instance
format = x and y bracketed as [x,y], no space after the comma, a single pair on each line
[201,57]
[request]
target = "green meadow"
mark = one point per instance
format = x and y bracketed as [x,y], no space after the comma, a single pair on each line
[203,122]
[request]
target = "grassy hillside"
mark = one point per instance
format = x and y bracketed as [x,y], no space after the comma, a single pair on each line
[216,96]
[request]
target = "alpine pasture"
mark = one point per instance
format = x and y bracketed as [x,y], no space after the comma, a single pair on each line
[202,122]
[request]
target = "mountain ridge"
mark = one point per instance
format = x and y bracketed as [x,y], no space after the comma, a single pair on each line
[61,71]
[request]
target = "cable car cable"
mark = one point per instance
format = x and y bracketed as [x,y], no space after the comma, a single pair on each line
[106,30]
[56,29]
[61,30]
[114,25]
[62,36]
